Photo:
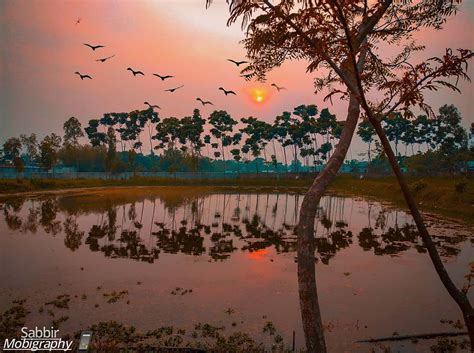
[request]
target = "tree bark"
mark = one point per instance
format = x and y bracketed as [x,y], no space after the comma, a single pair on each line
[310,311]
[459,297]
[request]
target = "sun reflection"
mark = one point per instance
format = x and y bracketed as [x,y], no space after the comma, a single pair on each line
[258,255]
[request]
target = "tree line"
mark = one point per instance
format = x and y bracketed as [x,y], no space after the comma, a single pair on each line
[295,141]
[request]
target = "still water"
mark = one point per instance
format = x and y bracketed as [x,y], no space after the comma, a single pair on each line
[190,255]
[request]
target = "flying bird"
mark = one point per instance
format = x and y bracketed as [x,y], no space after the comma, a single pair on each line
[163,77]
[227,92]
[204,102]
[173,89]
[277,87]
[238,63]
[152,106]
[105,59]
[94,47]
[247,76]
[78,21]
[135,73]
[83,76]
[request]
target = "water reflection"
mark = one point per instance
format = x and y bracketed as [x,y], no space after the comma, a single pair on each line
[216,225]
[219,227]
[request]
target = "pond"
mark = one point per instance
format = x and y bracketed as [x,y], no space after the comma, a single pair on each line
[152,257]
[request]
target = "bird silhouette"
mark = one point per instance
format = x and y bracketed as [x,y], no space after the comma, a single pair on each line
[277,87]
[135,73]
[227,92]
[152,106]
[105,59]
[204,102]
[163,77]
[78,21]
[173,89]
[94,47]
[83,76]
[238,63]
[247,76]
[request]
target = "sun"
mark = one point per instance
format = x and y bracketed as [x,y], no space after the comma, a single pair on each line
[258,95]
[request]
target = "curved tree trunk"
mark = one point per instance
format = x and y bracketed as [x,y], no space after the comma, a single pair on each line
[459,297]
[310,312]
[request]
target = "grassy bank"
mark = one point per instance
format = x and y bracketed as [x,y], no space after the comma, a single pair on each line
[33,185]
[451,197]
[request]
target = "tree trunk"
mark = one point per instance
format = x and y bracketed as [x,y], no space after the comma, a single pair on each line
[286,160]
[151,143]
[310,312]
[459,297]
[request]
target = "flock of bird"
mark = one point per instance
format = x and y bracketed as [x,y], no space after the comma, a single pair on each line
[166,77]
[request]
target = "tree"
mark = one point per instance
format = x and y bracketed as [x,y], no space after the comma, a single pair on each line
[281,126]
[222,124]
[366,132]
[168,132]
[346,39]
[148,118]
[95,137]
[192,128]
[395,125]
[111,159]
[424,131]
[12,153]
[49,148]
[258,134]
[307,127]
[72,131]
[30,143]
[449,134]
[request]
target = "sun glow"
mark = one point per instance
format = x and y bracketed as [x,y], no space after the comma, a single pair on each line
[258,95]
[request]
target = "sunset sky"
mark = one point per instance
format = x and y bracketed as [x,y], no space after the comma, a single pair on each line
[42,48]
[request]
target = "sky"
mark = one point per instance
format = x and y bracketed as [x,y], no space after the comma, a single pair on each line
[42,47]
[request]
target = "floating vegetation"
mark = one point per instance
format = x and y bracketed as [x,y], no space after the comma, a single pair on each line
[13,319]
[58,321]
[269,328]
[114,296]
[449,345]
[112,336]
[454,324]
[62,301]
[181,291]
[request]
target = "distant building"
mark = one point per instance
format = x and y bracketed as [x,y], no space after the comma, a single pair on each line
[8,171]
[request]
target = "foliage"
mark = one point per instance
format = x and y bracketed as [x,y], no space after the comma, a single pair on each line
[49,148]
[72,131]
[11,151]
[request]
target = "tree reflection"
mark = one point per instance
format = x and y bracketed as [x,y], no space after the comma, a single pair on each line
[216,225]
[73,236]
[10,210]
[48,214]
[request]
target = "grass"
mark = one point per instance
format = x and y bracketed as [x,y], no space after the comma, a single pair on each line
[33,185]
[451,197]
